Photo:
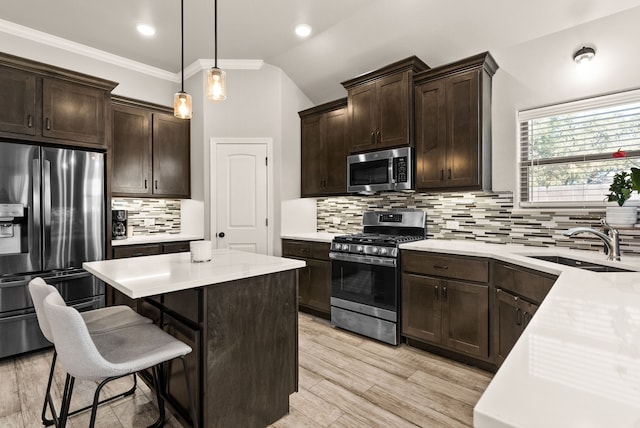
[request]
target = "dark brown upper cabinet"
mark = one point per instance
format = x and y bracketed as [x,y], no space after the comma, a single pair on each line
[380,106]
[151,151]
[453,125]
[324,149]
[52,105]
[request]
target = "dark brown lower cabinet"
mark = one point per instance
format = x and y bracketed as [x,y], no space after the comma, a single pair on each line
[138,250]
[314,281]
[518,292]
[511,315]
[446,313]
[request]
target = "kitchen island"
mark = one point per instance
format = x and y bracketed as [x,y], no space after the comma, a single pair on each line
[239,314]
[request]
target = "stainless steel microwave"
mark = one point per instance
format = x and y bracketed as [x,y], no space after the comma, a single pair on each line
[385,170]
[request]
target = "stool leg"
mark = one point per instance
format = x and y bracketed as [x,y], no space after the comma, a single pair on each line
[194,416]
[66,401]
[158,383]
[47,394]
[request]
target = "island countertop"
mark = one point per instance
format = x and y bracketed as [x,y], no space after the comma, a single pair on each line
[152,275]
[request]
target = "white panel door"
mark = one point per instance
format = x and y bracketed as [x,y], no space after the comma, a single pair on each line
[241,197]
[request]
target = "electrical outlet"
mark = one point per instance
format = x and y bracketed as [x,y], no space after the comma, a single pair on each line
[149,221]
[336,220]
[451,224]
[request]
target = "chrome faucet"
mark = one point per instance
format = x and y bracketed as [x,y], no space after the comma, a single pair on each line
[612,242]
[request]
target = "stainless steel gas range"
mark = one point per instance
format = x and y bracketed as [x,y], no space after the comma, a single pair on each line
[365,273]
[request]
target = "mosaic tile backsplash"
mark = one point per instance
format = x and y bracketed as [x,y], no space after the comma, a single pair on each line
[164,213]
[478,216]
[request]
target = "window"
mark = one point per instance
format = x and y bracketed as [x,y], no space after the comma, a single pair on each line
[566,150]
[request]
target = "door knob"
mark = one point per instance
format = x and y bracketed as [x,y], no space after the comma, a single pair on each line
[221,235]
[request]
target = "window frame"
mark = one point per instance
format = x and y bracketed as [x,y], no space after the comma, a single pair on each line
[574,106]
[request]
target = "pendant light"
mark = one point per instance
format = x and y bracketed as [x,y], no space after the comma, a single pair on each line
[216,78]
[181,100]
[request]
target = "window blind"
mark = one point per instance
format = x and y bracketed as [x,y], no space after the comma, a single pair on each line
[566,151]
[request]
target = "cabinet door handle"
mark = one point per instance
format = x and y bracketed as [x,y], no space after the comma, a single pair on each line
[30,121]
[442,175]
[378,138]
[373,137]
[444,292]
[441,267]
[436,289]
[449,173]
[145,183]
[156,182]
[518,316]
[47,123]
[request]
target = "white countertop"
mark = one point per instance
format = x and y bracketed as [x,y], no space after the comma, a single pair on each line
[312,236]
[577,364]
[151,275]
[155,238]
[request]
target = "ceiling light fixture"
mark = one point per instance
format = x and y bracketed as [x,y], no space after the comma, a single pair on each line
[145,29]
[303,30]
[216,78]
[181,100]
[584,55]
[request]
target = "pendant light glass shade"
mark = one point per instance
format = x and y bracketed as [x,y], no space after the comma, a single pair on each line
[216,84]
[182,108]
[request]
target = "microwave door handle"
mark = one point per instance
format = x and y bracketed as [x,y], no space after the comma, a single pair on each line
[392,177]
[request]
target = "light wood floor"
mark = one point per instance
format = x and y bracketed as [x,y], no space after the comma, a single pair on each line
[345,381]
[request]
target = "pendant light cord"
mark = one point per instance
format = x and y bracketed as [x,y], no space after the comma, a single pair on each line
[182,40]
[215,33]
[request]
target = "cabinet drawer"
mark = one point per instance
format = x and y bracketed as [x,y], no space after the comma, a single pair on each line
[523,282]
[320,250]
[136,251]
[175,247]
[446,266]
[296,248]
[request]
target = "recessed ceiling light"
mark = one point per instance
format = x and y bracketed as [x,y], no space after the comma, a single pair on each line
[303,30]
[145,29]
[584,55]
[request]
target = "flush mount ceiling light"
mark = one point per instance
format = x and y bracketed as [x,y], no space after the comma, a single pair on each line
[145,29]
[584,55]
[303,30]
[181,100]
[216,78]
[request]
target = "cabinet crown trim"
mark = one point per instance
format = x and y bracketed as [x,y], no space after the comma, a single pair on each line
[412,63]
[131,102]
[331,105]
[483,60]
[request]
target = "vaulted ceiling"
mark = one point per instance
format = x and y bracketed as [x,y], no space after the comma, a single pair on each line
[349,37]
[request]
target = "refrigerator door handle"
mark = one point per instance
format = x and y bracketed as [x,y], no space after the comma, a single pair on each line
[35,234]
[46,207]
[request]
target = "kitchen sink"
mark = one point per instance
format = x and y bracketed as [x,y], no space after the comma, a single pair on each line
[580,264]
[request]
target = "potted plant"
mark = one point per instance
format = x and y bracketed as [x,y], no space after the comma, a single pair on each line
[624,183]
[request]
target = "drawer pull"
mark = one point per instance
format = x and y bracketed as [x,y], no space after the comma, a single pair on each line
[441,266]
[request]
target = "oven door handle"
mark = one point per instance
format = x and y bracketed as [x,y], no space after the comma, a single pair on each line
[367,260]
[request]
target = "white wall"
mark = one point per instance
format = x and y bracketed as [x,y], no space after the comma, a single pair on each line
[260,103]
[541,72]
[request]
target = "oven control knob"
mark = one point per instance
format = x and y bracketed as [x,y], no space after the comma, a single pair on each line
[383,251]
[360,248]
[374,250]
[337,246]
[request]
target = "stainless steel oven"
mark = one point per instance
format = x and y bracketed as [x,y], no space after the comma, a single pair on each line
[365,274]
[364,294]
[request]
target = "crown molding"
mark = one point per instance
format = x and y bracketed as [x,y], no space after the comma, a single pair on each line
[77,48]
[100,55]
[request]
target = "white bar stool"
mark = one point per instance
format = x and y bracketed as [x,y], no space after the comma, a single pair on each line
[110,355]
[98,321]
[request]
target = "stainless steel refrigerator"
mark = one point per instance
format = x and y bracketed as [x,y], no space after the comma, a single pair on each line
[51,220]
